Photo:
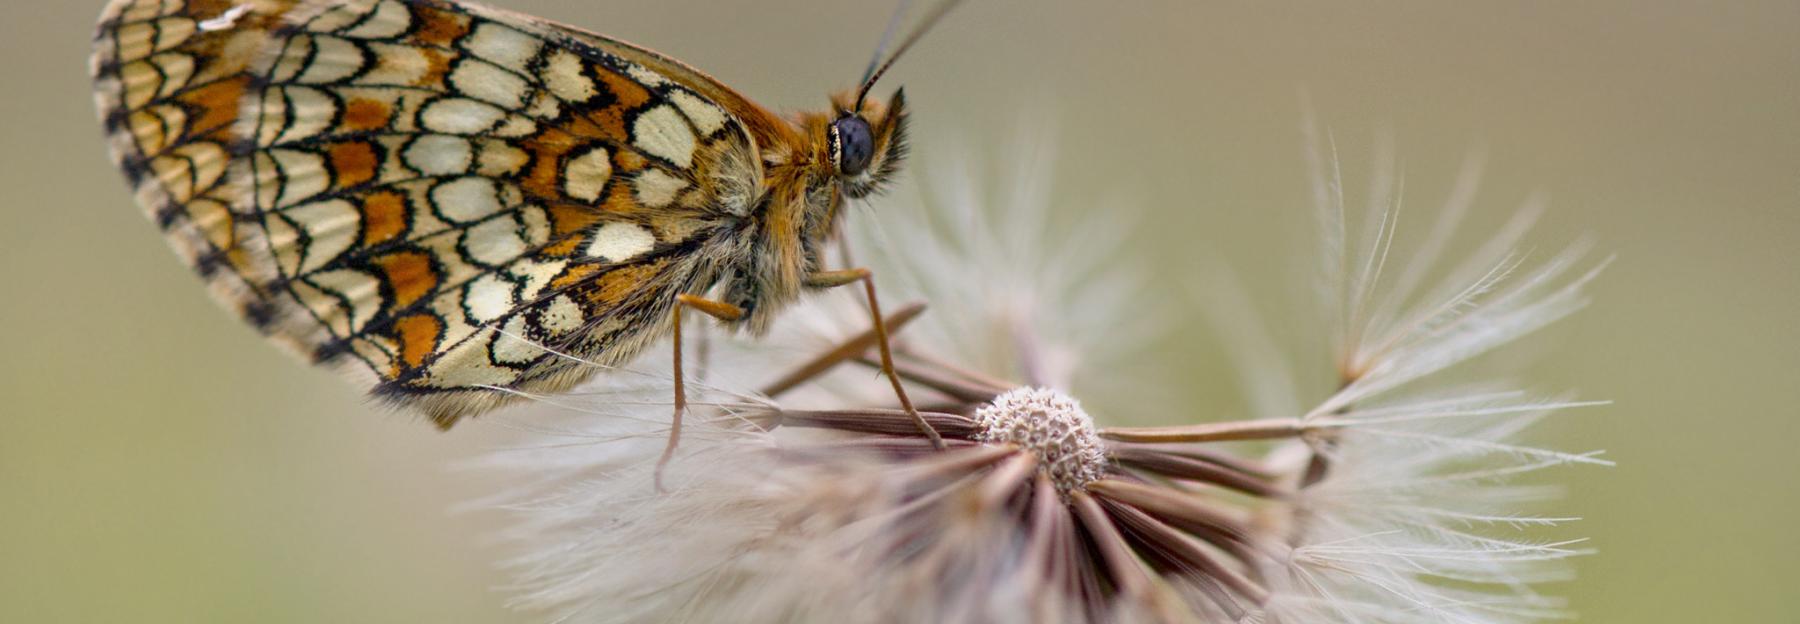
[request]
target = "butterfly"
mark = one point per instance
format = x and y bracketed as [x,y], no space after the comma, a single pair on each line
[458,205]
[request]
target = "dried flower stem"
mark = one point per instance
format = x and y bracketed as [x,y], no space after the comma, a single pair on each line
[1191,555]
[1193,469]
[1270,429]
[850,348]
[867,420]
[949,382]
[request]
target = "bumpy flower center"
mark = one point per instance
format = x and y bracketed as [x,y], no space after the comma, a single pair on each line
[1051,426]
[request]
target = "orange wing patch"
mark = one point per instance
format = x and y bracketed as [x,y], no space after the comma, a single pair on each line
[363,115]
[384,217]
[353,163]
[419,335]
[440,28]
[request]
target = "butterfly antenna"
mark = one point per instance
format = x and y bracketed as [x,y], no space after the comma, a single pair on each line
[876,69]
[887,36]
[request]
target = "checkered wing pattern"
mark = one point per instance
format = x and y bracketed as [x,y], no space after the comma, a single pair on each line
[430,195]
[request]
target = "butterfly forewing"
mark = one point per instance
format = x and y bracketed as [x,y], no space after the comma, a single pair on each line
[427,193]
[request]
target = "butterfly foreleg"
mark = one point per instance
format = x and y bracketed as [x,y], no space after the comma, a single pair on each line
[716,309]
[833,279]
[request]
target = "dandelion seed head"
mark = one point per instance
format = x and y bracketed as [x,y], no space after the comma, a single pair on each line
[1388,499]
[1052,427]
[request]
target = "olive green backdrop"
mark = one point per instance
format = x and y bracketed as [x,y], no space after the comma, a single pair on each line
[159,464]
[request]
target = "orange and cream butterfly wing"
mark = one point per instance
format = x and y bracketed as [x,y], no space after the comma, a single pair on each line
[168,84]
[425,192]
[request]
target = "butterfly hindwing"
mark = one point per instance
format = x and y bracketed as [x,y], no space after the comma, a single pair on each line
[169,91]
[425,193]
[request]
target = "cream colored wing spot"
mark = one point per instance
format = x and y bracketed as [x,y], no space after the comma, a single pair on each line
[209,160]
[331,228]
[141,39]
[537,227]
[535,275]
[489,83]
[283,241]
[500,159]
[467,365]
[504,46]
[189,169]
[645,76]
[517,126]
[138,81]
[139,10]
[298,175]
[708,118]
[564,76]
[331,59]
[544,106]
[391,19]
[562,316]
[155,77]
[176,175]
[334,18]
[448,306]
[494,242]
[321,305]
[618,242]
[585,176]
[157,127]
[664,133]
[396,65]
[512,345]
[460,116]
[440,155]
[465,200]
[489,298]
[214,221]
[445,248]
[361,291]
[657,189]
[290,114]
[377,350]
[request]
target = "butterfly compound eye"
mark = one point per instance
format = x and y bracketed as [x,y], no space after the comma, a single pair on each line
[852,145]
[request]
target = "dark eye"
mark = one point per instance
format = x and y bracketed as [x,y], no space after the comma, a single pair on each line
[852,145]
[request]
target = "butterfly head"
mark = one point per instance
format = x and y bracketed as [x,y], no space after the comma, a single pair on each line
[866,145]
[865,141]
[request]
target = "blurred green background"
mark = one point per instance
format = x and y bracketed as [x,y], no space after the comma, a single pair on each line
[159,464]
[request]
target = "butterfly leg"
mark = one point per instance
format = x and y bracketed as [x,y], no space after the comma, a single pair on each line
[850,349]
[832,279]
[716,309]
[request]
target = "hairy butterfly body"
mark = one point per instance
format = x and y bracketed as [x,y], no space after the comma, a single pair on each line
[443,198]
